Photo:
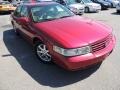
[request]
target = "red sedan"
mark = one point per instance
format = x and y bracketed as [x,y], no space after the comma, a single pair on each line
[71,41]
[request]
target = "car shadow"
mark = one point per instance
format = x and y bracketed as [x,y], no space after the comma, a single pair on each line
[115,13]
[45,74]
[5,13]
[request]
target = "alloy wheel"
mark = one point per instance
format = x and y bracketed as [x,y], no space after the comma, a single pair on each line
[43,53]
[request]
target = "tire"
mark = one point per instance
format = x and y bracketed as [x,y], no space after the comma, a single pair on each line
[42,52]
[15,30]
[87,10]
[80,14]
[118,11]
[112,5]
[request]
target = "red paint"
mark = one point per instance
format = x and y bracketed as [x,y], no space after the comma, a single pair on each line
[70,32]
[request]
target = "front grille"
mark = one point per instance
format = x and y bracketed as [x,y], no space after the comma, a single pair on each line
[101,44]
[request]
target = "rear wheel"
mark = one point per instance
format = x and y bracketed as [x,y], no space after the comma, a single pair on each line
[42,52]
[112,5]
[87,10]
[118,11]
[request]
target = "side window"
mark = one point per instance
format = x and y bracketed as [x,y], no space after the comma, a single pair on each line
[24,11]
[17,11]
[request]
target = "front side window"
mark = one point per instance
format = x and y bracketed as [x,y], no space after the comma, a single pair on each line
[49,12]
[17,11]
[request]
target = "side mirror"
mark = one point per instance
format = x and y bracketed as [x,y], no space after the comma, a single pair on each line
[24,20]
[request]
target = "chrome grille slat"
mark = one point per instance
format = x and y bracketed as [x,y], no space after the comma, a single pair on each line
[101,44]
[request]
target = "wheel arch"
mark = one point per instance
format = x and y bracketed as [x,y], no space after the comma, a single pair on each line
[37,39]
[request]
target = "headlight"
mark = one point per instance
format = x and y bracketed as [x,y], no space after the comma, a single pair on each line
[72,52]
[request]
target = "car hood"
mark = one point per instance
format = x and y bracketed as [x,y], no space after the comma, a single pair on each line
[72,32]
[77,5]
[92,4]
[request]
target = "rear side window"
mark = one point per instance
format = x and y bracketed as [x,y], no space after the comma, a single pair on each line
[17,11]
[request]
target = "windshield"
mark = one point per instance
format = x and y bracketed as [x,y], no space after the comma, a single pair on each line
[49,12]
[87,1]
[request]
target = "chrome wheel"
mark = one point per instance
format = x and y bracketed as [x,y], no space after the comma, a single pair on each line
[43,53]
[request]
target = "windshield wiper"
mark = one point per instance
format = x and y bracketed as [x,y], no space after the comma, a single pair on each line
[49,19]
[64,16]
[52,19]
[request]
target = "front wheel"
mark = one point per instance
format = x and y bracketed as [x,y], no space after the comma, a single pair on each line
[42,52]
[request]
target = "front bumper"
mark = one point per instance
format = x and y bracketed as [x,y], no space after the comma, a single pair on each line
[7,9]
[4,9]
[83,61]
[79,11]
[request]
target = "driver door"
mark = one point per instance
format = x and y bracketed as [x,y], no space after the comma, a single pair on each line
[25,27]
